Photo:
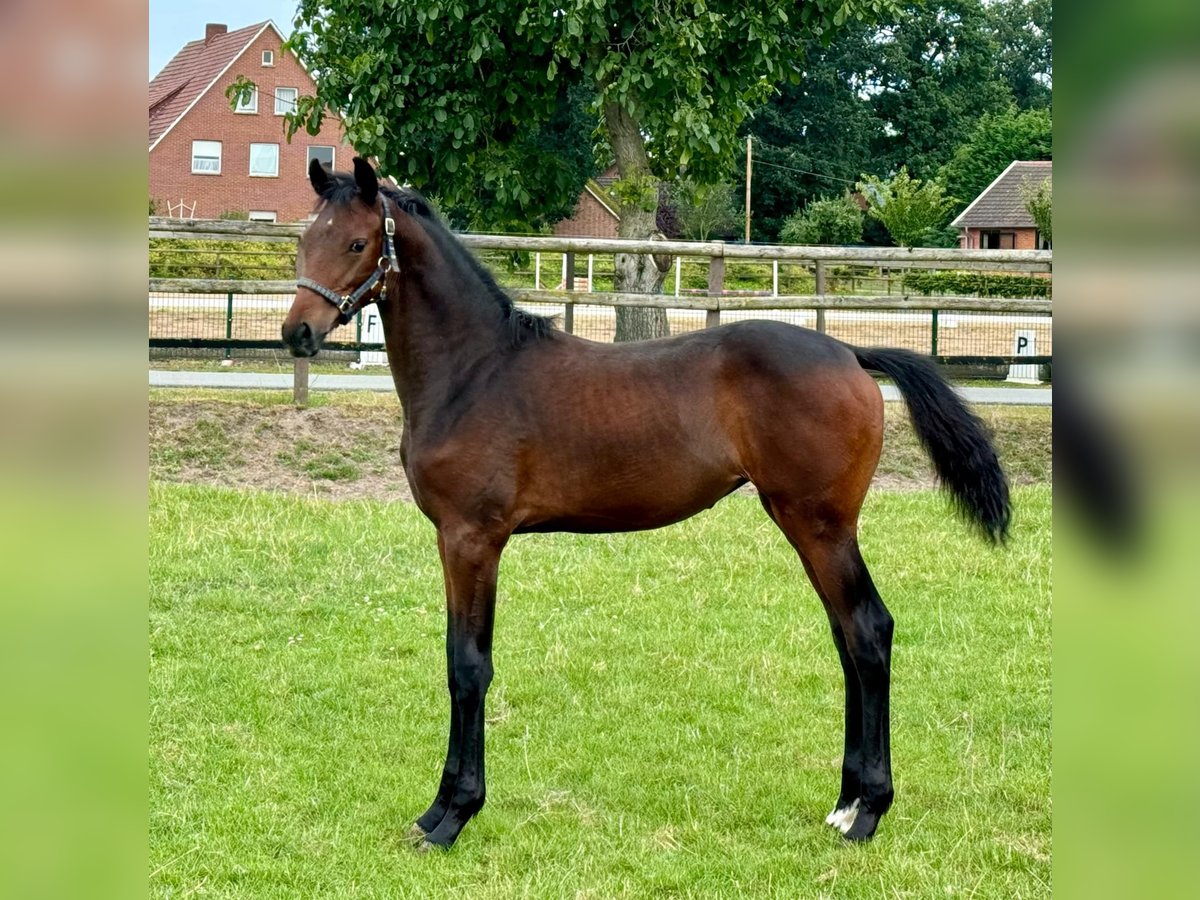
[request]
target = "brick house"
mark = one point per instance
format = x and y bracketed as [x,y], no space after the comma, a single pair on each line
[206,158]
[997,219]
[595,215]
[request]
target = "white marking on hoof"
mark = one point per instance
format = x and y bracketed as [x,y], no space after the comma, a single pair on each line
[848,817]
[840,814]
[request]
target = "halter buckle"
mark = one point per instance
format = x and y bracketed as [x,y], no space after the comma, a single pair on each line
[389,225]
[345,304]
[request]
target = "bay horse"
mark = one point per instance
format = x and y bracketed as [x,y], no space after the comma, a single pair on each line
[511,426]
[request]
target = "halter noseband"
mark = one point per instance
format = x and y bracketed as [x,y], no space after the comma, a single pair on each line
[349,304]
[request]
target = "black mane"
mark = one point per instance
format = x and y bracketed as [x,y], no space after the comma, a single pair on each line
[341,188]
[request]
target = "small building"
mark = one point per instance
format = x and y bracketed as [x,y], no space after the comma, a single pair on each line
[207,159]
[997,219]
[594,215]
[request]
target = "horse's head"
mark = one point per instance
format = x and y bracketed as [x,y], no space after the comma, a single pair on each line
[342,260]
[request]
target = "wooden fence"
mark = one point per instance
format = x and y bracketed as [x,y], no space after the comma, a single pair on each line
[824,264]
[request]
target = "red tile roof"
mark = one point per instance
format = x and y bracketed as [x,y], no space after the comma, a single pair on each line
[191,72]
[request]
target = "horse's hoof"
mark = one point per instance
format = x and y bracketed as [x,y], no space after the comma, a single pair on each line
[842,817]
[862,828]
[415,834]
[430,846]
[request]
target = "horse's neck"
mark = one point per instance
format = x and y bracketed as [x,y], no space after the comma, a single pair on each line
[438,337]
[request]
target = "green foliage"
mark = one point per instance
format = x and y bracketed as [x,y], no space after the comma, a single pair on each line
[908,208]
[638,192]
[907,90]
[1025,61]
[996,141]
[191,258]
[706,211]
[975,284]
[454,96]
[832,220]
[153,207]
[1038,200]
[938,74]
[234,215]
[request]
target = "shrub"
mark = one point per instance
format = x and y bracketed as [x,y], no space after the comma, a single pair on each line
[829,220]
[913,212]
[194,258]
[981,284]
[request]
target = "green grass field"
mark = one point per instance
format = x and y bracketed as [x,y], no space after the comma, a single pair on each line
[665,718]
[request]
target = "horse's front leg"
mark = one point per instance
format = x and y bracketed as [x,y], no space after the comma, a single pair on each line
[471,560]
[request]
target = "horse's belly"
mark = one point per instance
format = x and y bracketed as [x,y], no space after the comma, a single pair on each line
[615,507]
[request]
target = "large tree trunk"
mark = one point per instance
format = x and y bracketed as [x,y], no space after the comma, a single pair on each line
[637,204]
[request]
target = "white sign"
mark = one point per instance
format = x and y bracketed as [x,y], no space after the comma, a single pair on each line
[372,333]
[1024,344]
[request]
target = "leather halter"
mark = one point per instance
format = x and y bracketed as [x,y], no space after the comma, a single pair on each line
[349,304]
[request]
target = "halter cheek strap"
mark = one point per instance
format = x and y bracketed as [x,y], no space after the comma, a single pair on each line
[349,304]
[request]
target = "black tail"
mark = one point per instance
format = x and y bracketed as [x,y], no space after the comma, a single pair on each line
[954,437]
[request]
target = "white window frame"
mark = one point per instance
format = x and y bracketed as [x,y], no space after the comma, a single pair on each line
[332,154]
[268,58]
[262,215]
[196,171]
[249,109]
[292,102]
[254,174]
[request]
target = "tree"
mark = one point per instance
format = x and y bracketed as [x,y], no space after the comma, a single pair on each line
[906,90]
[705,210]
[995,142]
[909,209]
[1038,202]
[451,95]
[813,137]
[1025,61]
[833,220]
[934,76]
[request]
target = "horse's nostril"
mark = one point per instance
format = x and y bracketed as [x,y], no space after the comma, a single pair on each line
[304,332]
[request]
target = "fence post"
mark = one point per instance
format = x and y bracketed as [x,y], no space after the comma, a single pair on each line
[819,277]
[678,273]
[933,333]
[300,381]
[228,324]
[716,284]
[569,283]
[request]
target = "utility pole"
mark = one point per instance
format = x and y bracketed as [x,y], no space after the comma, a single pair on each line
[748,173]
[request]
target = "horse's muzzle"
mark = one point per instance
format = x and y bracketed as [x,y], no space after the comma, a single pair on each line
[301,340]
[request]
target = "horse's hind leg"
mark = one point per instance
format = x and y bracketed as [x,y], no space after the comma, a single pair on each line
[862,633]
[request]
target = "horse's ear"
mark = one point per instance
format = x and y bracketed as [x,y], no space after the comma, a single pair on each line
[319,176]
[365,178]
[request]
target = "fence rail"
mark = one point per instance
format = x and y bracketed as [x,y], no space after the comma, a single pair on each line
[223,314]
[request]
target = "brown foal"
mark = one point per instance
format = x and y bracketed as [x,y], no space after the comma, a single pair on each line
[511,426]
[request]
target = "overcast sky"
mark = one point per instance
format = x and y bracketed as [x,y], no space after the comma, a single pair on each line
[174,23]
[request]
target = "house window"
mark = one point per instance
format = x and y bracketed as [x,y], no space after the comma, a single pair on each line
[206,157]
[268,58]
[285,100]
[997,240]
[264,160]
[324,154]
[261,215]
[247,106]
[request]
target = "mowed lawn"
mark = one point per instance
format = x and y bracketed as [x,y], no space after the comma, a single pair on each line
[665,720]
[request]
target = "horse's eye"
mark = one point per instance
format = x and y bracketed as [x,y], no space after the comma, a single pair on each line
[358,246]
